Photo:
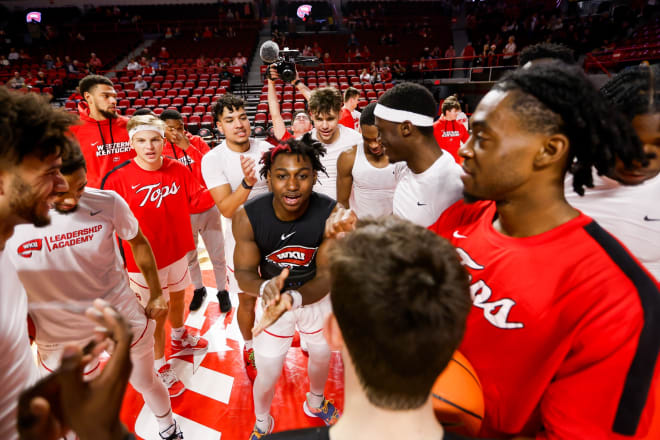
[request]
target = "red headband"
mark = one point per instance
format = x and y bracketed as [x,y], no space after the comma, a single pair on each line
[279,149]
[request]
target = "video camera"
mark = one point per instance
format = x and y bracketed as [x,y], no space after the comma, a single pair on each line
[285,60]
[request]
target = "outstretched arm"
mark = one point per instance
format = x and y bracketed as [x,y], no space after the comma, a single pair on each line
[345,175]
[146,262]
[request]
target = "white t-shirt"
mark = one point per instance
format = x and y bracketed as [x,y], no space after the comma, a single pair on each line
[347,138]
[373,188]
[75,260]
[421,198]
[222,166]
[18,369]
[629,212]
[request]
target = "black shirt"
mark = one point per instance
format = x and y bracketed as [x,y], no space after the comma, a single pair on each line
[321,433]
[288,244]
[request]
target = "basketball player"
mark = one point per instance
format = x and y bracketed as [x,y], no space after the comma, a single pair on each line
[301,121]
[386,395]
[204,218]
[624,201]
[560,307]
[431,182]
[75,260]
[102,135]
[280,247]
[349,116]
[230,175]
[365,178]
[448,132]
[160,191]
[324,106]
[34,137]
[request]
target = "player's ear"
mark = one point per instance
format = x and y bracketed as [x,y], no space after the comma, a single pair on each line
[316,175]
[553,149]
[219,127]
[332,333]
[405,128]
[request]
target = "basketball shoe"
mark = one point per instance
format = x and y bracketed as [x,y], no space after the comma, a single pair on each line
[250,365]
[197,299]
[174,386]
[175,433]
[224,301]
[257,433]
[195,343]
[327,412]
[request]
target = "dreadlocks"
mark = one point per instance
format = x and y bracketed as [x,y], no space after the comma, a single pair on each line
[558,98]
[306,146]
[635,91]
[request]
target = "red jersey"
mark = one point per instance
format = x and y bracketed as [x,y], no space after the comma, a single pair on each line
[192,159]
[563,332]
[449,135]
[347,120]
[161,202]
[105,144]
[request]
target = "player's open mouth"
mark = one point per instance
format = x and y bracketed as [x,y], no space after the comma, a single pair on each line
[291,199]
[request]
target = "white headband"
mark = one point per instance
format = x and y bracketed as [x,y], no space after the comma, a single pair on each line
[394,115]
[145,128]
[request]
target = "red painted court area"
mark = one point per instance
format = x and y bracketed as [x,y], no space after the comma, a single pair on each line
[218,400]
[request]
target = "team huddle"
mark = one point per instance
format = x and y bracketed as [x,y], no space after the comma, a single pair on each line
[549,288]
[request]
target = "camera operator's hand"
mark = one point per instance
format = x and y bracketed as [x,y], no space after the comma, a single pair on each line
[272,74]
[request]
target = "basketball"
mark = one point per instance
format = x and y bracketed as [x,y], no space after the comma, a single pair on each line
[458,399]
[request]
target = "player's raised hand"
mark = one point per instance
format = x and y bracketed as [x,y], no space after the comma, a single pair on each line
[156,307]
[249,170]
[272,313]
[273,287]
[340,222]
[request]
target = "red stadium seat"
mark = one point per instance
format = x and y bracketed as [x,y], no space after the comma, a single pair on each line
[160,93]
[172,93]
[287,117]
[207,121]
[205,100]
[192,100]
[186,110]
[263,107]
[299,106]
[130,111]
[133,94]
[147,93]
[158,110]
[260,119]
[210,91]
[139,103]
[199,110]
[164,102]
[177,102]
[287,107]
[371,95]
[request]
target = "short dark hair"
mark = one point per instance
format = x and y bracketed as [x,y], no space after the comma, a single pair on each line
[72,161]
[555,97]
[305,146]
[411,303]
[90,81]
[546,51]
[450,104]
[414,98]
[170,113]
[350,93]
[367,116]
[635,91]
[29,125]
[229,101]
[325,100]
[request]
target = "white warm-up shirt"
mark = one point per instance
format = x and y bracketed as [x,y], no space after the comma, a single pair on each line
[373,188]
[347,138]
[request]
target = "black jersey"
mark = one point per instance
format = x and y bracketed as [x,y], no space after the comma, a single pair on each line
[322,433]
[288,244]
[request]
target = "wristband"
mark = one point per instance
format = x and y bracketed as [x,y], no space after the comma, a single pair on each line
[262,287]
[296,82]
[245,185]
[297,299]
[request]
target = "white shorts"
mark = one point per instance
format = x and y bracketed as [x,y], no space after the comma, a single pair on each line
[276,339]
[173,278]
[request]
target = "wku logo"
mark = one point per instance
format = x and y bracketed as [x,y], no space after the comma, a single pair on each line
[155,194]
[290,256]
[25,250]
[495,312]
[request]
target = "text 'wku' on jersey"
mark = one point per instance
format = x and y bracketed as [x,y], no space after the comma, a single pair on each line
[292,256]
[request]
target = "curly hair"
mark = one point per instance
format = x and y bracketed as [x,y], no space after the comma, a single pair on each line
[229,101]
[325,101]
[306,146]
[90,81]
[550,51]
[635,91]
[558,98]
[30,126]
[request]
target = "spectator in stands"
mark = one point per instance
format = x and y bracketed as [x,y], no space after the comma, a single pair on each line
[140,84]
[70,66]
[16,82]
[327,59]
[48,61]
[384,72]
[450,52]
[177,32]
[207,34]
[75,96]
[133,65]
[58,63]
[40,80]
[240,61]
[352,41]
[468,57]
[201,62]
[316,50]
[349,116]
[4,61]
[398,69]
[448,132]
[366,53]
[509,51]
[163,55]
[390,40]
[301,123]
[365,76]
[168,33]
[154,64]
[95,62]
[231,33]
[13,55]
[147,69]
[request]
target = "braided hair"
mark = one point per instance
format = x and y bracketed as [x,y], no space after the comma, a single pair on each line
[635,91]
[558,98]
[305,146]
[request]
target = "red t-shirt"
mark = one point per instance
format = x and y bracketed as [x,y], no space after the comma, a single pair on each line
[105,144]
[161,201]
[347,120]
[449,135]
[559,333]
[192,159]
